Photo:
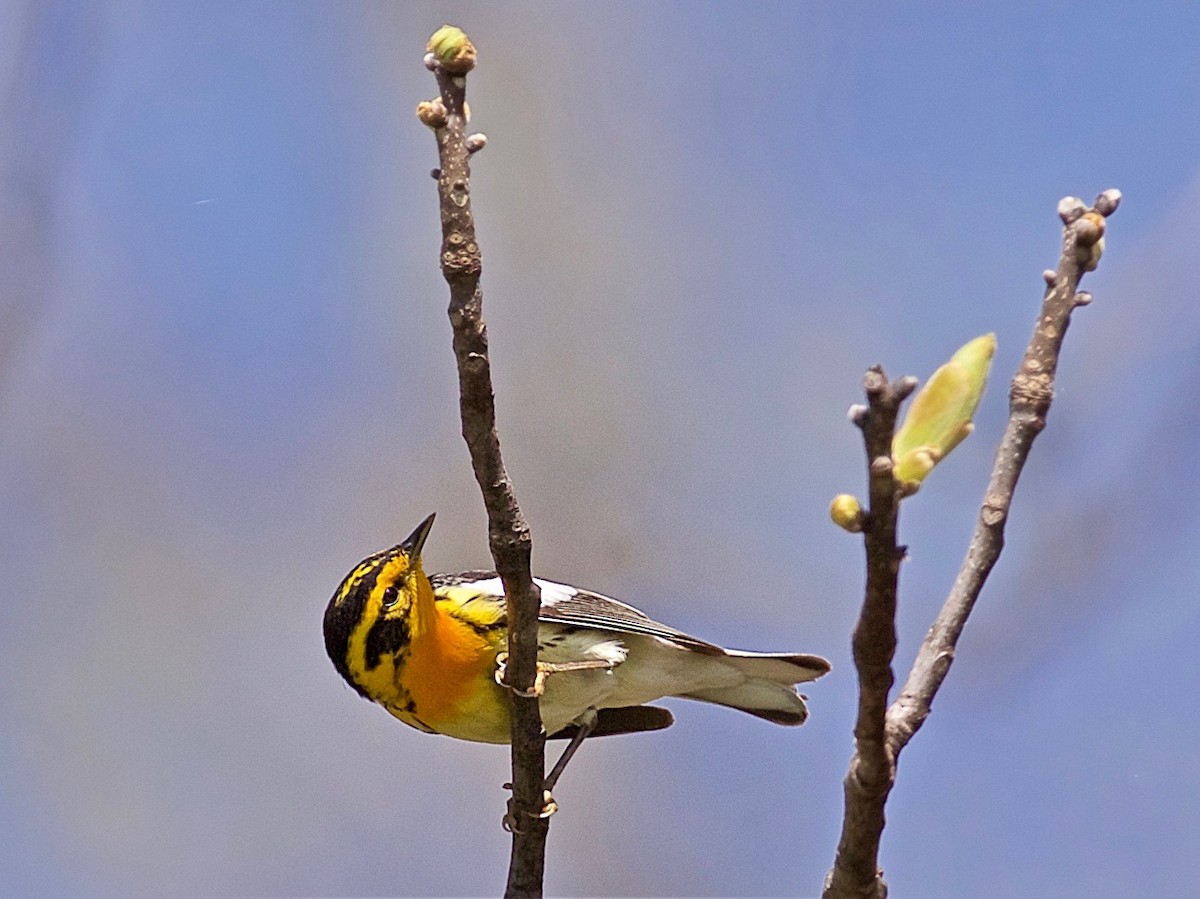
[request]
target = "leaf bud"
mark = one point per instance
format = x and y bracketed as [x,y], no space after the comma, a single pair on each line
[846,513]
[452,49]
[940,416]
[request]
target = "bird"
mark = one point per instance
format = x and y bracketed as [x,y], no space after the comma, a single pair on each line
[431,650]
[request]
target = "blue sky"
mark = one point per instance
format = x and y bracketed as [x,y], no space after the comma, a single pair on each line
[225,376]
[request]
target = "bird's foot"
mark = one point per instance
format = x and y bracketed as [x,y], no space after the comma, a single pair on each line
[539,678]
[544,670]
[511,822]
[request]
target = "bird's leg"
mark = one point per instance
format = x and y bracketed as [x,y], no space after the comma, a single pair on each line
[585,724]
[543,670]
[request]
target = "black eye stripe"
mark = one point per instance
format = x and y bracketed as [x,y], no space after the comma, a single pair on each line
[387,636]
[344,613]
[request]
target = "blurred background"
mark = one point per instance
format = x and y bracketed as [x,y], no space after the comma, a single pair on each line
[226,376]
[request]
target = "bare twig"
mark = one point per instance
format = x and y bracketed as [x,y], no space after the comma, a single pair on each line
[507,531]
[872,768]
[1029,401]
[880,736]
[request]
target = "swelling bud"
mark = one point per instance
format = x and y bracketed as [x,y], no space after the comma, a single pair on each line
[940,416]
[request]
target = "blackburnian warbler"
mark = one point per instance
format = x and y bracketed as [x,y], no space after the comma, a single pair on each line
[427,648]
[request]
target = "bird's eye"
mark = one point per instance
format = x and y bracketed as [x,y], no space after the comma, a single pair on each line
[391,596]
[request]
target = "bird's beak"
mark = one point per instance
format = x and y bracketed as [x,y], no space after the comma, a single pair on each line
[416,540]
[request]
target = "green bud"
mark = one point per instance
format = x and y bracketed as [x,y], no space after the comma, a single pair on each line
[939,418]
[846,513]
[452,49]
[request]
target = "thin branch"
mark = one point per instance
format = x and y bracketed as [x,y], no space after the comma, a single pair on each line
[872,767]
[1029,401]
[507,531]
[880,736]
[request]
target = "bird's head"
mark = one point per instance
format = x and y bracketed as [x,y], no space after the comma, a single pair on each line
[374,612]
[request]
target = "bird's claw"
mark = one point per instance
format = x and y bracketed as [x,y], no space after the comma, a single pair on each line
[539,679]
[544,669]
[509,822]
[539,684]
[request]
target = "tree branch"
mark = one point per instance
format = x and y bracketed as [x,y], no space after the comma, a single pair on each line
[881,735]
[1029,401]
[872,767]
[508,533]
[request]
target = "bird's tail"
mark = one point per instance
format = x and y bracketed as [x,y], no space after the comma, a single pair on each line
[768,690]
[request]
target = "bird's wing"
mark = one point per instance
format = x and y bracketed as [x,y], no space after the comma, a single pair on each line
[566,605]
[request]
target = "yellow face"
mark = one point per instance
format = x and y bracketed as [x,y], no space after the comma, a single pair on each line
[369,622]
[429,663]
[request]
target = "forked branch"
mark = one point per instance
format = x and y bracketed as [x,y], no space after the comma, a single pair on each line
[882,732]
[1029,401]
